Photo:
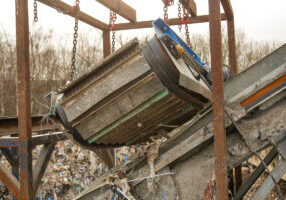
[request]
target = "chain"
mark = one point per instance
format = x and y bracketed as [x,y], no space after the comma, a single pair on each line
[185,21]
[75,36]
[112,19]
[35,11]
[165,8]
[188,35]
[180,15]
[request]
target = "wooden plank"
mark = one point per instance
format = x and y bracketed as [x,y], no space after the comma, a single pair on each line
[191,6]
[171,22]
[227,9]
[41,165]
[67,9]
[120,8]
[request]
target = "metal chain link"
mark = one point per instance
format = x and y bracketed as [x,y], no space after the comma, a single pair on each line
[188,35]
[35,11]
[112,19]
[180,15]
[75,36]
[185,21]
[165,9]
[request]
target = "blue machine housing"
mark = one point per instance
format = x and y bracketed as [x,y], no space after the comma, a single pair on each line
[162,29]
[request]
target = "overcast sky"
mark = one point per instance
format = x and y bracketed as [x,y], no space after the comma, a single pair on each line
[260,19]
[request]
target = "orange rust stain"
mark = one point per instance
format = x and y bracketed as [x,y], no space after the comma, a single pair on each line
[263,91]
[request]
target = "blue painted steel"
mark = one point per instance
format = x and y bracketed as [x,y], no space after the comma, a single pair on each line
[162,29]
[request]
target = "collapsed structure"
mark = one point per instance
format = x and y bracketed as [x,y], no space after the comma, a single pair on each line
[158,87]
[255,119]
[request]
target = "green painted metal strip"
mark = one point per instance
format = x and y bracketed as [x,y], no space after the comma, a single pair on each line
[157,97]
[175,116]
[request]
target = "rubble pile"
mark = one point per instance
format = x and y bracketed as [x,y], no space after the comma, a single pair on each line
[71,169]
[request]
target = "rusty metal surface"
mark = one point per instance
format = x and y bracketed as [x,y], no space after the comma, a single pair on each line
[67,9]
[41,165]
[106,43]
[171,22]
[227,9]
[120,8]
[10,182]
[24,99]
[36,139]
[191,6]
[9,125]
[218,100]
[231,45]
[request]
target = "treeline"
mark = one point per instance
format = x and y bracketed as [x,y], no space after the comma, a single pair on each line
[50,60]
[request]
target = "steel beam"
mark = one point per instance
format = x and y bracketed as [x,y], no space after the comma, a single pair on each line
[69,10]
[232,45]
[171,22]
[9,125]
[255,175]
[218,100]
[11,158]
[120,8]
[41,165]
[106,43]
[238,177]
[10,182]
[227,9]
[24,99]
[191,6]
[268,184]
[36,139]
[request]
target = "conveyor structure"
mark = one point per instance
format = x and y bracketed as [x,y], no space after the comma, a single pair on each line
[143,89]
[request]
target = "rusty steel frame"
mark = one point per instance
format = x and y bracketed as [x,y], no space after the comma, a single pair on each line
[24,187]
[24,99]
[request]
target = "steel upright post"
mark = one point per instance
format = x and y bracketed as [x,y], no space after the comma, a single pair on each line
[231,45]
[106,43]
[24,99]
[218,100]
